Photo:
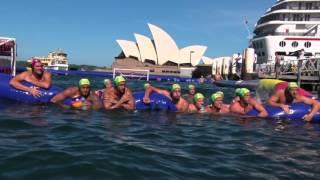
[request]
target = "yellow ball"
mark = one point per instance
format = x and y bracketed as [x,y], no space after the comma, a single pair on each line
[76,104]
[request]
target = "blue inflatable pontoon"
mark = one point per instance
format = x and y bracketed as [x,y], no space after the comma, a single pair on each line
[8,92]
[297,111]
[157,102]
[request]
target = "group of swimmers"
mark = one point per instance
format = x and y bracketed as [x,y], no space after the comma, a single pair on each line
[119,96]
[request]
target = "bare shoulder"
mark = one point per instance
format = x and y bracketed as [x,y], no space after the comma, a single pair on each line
[109,94]
[185,104]
[234,104]
[109,91]
[254,102]
[23,74]
[304,99]
[128,91]
[184,101]
[208,108]
[47,74]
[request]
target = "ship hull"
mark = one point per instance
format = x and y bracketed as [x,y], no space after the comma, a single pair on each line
[287,46]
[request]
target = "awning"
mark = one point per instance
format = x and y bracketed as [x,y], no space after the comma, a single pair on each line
[5,46]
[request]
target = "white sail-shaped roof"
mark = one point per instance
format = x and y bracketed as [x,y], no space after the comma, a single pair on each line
[146,47]
[166,47]
[207,60]
[196,53]
[129,48]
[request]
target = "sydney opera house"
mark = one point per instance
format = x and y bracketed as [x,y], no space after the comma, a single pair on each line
[159,53]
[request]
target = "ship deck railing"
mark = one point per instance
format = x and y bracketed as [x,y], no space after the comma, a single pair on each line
[285,34]
[305,70]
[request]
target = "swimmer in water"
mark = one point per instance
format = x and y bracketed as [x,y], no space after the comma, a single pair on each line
[282,99]
[119,96]
[174,95]
[107,83]
[198,105]
[37,76]
[243,103]
[82,96]
[191,92]
[217,106]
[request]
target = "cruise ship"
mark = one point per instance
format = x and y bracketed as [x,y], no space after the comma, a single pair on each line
[56,60]
[286,28]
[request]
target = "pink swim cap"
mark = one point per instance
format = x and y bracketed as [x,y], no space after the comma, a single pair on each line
[34,61]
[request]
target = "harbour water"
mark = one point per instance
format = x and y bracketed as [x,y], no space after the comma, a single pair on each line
[48,142]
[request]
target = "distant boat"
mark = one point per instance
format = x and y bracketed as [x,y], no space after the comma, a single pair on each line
[56,60]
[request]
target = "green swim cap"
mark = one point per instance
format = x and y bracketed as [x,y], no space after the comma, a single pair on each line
[146,85]
[198,96]
[84,81]
[216,95]
[119,79]
[190,86]
[292,85]
[106,81]
[243,91]
[220,92]
[175,86]
[237,91]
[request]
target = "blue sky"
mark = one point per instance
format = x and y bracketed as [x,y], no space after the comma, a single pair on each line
[87,29]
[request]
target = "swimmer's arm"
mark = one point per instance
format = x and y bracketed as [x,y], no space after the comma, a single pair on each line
[130,106]
[96,102]
[108,99]
[46,83]
[63,95]
[161,91]
[185,106]
[315,106]
[124,99]
[272,101]
[16,82]
[146,97]
[150,89]
[262,111]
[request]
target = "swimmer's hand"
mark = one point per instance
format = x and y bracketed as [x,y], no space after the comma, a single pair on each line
[86,105]
[307,118]
[114,106]
[285,108]
[35,92]
[146,100]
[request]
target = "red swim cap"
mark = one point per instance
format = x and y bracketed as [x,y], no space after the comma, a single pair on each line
[34,61]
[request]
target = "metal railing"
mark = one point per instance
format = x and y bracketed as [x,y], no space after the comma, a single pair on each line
[310,65]
[296,67]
